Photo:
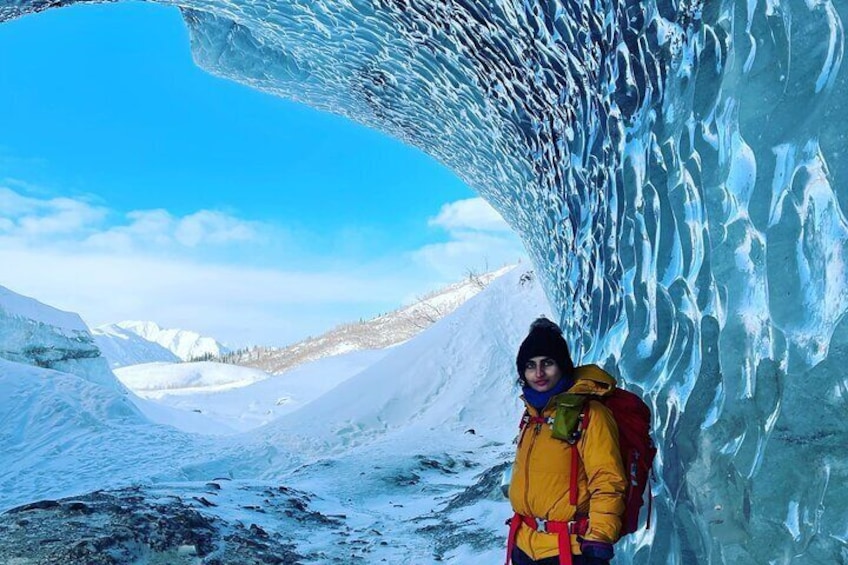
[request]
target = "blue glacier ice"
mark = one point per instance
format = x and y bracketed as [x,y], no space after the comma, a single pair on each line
[676,169]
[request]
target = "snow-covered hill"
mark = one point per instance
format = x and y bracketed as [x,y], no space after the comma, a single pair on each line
[68,423]
[122,347]
[377,333]
[64,434]
[418,440]
[184,344]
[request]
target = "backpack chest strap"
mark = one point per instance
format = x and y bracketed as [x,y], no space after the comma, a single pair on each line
[539,421]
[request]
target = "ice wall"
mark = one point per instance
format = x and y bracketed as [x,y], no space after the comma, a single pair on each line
[33,333]
[675,170]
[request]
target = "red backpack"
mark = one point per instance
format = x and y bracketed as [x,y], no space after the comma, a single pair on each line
[633,418]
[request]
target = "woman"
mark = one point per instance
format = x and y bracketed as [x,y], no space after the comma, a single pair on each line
[568,482]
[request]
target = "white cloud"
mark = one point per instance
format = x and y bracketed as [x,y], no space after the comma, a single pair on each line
[212,227]
[473,214]
[469,251]
[12,203]
[29,217]
[65,221]
[151,264]
[64,216]
[160,228]
[480,240]
[143,227]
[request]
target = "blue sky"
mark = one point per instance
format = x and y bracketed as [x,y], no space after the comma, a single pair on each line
[135,185]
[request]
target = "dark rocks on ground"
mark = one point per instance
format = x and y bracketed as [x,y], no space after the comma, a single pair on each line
[133,526]
[446,465]
[487,486]
[404,479]
[448,535]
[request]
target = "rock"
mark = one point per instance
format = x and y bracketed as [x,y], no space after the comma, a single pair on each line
[135,525]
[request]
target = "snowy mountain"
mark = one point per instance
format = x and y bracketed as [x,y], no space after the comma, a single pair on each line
[377,333]
[184,344]
[122,347]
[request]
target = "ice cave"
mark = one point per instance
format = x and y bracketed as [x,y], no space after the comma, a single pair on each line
[676,170]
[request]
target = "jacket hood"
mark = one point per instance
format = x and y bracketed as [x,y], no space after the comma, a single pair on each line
[591,379]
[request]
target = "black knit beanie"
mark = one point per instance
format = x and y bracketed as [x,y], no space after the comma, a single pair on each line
[545,338]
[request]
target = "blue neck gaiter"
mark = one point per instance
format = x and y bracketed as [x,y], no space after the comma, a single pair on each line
[539,400]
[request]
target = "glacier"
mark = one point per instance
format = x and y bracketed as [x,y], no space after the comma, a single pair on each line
[32,333]
[675,169]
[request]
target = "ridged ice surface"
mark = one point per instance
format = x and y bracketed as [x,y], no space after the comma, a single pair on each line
[677,170]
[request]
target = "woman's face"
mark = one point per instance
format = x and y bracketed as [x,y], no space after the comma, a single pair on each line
[542,373]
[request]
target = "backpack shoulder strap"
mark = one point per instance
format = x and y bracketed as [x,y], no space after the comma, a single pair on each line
[582,423]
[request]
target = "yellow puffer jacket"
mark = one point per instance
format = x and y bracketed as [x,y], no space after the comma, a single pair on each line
[541,476]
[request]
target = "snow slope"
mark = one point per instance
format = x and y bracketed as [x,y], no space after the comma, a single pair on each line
[122,347]
[18,306]
[458,374]
[63,434]
[417,442]
[256,404]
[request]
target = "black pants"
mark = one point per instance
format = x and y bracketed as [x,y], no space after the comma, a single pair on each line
[521,558]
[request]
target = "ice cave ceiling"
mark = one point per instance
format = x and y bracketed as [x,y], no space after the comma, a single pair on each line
[676,169]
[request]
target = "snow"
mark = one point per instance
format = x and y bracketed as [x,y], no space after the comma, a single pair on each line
[122,347]
[64,434]
[36,334]
[152,380]
[16,305]
[392,441]
[457,374]
[190,421]
[254,404]
[185,344]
